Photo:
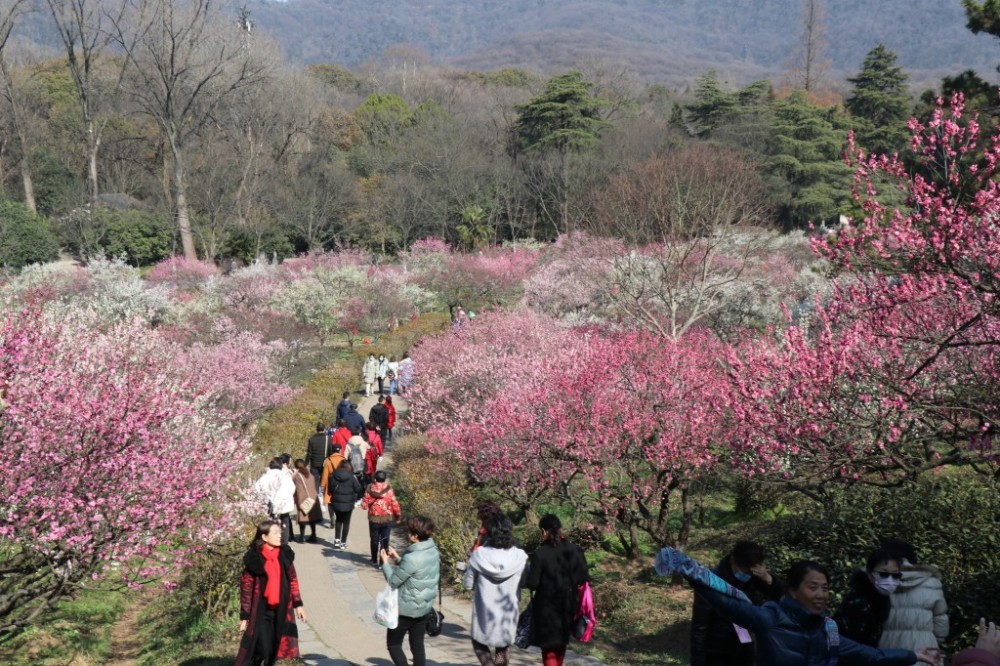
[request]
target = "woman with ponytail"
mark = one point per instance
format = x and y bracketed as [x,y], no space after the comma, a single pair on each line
[269,600]
[556,572]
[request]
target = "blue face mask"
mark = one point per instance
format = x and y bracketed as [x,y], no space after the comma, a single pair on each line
[741,576]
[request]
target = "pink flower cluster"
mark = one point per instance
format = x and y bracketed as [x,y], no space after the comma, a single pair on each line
[107,462]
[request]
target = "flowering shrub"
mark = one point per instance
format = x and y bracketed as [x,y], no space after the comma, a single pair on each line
[41,282]
[894,373]
[115,292]
[614,423]
[313,262]
[573,279]
[104,456]
[475,281]
[236,374]
[182,273]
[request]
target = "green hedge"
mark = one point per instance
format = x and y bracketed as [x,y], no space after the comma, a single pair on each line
[950,520]
[25,237]
[142,237]
[436,486]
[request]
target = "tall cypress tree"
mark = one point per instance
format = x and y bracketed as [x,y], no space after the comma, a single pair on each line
[880,103]
[564,119]
[806,153]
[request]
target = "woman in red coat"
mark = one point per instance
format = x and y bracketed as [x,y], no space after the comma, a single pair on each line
[269,600]
[392,416]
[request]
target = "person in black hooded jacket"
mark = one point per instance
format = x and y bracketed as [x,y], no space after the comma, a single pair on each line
[345,490]
[715,641]
[865,608]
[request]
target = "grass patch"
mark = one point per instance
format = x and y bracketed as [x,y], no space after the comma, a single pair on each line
[175,630]
[77,632]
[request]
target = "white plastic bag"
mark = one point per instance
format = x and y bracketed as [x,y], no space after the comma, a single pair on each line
[387,607]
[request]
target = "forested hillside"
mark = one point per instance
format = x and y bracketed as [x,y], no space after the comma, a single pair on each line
[668,41]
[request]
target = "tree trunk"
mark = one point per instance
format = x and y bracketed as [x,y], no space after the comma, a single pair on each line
[633,535]
[29,187]
[564,191]
[93,146]
[180,200]
[27,183]
[687,515]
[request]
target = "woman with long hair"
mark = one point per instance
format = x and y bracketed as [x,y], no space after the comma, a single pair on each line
[557,571]
[269,600]
[305,490]
[417,575]
[494,575]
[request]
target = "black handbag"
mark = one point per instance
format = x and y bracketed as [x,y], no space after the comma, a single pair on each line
[525,626]
[435,619]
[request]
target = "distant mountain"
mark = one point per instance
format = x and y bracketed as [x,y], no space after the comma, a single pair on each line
[666,41]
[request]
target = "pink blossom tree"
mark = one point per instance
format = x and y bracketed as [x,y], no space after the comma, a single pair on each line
[616,424]
[896,374]
[474,281]
[109,465]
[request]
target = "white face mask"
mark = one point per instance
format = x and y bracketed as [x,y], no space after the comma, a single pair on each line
[885,585]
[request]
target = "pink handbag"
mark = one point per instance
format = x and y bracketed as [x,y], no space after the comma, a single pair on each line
[585,619]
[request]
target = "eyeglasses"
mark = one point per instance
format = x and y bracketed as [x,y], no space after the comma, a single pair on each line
[898,575]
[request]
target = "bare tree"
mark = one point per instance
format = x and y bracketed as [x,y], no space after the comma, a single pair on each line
[188,59]
[83,27]
[809,62]
[692,218]
[10,10]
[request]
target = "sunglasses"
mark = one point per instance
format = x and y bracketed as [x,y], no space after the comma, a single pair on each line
[886,574]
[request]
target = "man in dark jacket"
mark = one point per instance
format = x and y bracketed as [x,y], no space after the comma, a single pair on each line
[716,641]
[354,421]
[343,407]
[379,415]
[317,451]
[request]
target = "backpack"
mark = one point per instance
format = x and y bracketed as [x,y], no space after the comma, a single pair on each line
[357,460]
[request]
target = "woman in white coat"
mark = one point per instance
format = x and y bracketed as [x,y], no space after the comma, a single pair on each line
[494,574]
[381,372]
[919,615]
[277,489]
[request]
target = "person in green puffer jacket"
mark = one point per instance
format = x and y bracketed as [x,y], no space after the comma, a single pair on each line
[416,574]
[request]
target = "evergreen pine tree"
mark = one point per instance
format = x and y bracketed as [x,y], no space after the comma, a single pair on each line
[880,103]
[807,149]
[564,119]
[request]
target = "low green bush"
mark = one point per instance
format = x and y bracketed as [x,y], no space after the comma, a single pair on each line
[951,521]
[25,237]
[142,237]
[436,486]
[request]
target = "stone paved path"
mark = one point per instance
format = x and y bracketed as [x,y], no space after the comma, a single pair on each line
[339,588]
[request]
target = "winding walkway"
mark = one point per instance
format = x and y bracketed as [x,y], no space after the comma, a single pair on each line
[339,588]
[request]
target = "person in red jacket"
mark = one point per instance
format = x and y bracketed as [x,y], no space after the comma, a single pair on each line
[383,509]
[392,417]
[374,438]
[341,435]
[371,465]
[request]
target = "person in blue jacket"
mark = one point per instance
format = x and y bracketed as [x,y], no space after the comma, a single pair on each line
[796,630]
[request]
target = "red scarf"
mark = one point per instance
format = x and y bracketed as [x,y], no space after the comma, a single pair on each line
[272,567]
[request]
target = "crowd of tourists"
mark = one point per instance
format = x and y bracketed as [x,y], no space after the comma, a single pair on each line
[893,613]
[392,376]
